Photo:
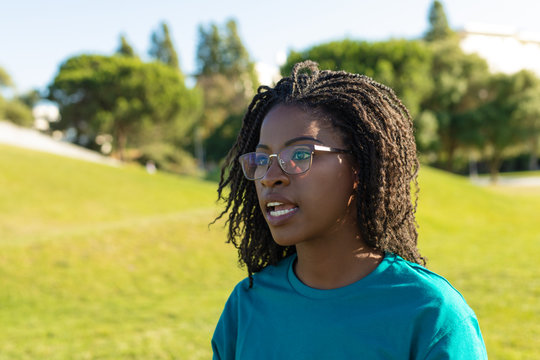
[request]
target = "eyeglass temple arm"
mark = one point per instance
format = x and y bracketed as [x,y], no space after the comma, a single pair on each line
[329,149]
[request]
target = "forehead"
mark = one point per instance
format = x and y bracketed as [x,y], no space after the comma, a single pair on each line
[285,122]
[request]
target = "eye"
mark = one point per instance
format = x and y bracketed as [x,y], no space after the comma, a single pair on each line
[301,154]
[260,159]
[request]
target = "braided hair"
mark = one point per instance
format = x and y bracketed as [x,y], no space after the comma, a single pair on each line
[378,128]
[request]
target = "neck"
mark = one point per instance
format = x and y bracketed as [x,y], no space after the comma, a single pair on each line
[334,263]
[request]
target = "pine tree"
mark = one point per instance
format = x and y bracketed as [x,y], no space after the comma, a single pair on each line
[162,48]
[125,49]
[439,29]
[221,51]
[226,75]
[209,51]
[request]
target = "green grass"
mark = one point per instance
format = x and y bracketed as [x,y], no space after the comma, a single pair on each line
[107,263]
[485,241]
[113,263]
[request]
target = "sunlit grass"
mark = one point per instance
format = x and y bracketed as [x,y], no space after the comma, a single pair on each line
[484,240]
[109,263]
[114,263]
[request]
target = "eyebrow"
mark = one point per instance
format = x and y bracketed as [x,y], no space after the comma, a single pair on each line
[293,140]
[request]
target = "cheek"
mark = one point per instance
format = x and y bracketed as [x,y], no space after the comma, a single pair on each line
[332,190]
[258,187]
[258,190]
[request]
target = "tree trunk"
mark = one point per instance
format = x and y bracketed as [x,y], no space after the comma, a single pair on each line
[494,165]
[473,168]
[533,158]
[199,149]
[450,159]
[121,140]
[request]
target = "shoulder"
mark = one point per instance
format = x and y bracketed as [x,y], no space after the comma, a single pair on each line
[424,284]
[444,323]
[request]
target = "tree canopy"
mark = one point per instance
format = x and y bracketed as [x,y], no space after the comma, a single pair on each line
[458,79]
[508,118]
[119,95]
[401,64]
[458,106]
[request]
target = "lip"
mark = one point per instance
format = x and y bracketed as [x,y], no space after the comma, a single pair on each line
[280,219]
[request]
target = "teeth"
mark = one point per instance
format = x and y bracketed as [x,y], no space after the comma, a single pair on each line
[281,212]
[273,204]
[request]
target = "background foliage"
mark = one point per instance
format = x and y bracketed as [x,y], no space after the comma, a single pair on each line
[467,119]
[120,95]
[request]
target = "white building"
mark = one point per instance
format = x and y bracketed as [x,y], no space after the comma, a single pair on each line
[505,49]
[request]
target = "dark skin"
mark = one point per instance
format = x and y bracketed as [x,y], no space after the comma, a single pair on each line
[321,221]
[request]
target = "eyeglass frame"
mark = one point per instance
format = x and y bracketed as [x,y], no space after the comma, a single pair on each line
[314,148]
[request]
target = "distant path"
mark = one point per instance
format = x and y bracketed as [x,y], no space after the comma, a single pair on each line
[14,135]
[510,181]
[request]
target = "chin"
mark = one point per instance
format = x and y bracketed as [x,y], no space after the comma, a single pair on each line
[286,239]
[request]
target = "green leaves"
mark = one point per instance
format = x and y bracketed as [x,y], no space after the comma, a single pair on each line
[438,29]
[227,78]
[457,105]
[5,79]
[162,48]
[118,94]
[18,109]
[401,64]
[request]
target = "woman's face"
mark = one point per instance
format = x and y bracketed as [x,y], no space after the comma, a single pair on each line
[315,205]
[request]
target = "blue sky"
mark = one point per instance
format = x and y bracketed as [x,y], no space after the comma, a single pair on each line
[36,36]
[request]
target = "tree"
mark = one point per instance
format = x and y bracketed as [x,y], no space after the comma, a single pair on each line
[210,51]
[121,96]
[438,29]
[459,80]
[221,51]
[400,64]
[528,112]
[227,78]
[5,79]
[162,48]
[31,98]
[15,110]
[508,119]
[125,48]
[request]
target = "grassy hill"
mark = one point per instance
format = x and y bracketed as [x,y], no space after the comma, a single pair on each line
[114,263]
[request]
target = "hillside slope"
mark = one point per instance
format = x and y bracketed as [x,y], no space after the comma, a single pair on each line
[114,263]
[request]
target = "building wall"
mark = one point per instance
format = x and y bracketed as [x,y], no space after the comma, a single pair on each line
[505,49]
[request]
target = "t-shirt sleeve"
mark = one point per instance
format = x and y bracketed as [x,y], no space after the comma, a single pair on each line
[460,339]
[224,339]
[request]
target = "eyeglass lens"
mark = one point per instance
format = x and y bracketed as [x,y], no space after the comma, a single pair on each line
[293,160]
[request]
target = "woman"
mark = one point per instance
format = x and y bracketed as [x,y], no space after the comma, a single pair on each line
[320,210]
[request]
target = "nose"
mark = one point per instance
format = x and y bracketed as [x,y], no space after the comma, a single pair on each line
[274,175]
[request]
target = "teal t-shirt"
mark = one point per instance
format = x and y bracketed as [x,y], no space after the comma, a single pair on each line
[399,311]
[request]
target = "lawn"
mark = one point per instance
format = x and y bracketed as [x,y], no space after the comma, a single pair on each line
[98,262]
[484,240]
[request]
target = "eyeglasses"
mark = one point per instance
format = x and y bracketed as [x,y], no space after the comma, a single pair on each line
[293,160]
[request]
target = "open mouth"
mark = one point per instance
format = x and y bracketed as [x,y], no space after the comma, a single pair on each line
[277,209]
